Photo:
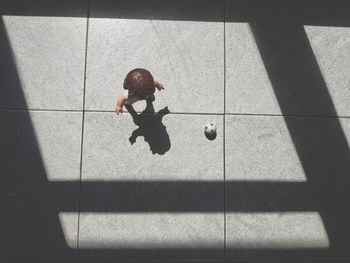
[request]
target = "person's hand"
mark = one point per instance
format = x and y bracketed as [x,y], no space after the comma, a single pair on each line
[158,85]
[118,110]
[120,103]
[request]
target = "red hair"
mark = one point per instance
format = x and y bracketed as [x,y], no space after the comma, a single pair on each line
[140,83]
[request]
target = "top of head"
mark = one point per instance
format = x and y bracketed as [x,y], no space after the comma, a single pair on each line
[140,83]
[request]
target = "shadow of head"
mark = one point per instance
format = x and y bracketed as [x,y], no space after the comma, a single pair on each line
[150,127]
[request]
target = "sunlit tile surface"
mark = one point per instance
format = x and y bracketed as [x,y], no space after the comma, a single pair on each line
[174,149]
[96,187]
[49,57]
[331,47]
[186,56]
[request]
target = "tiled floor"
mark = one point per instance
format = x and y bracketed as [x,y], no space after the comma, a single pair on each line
[79,183]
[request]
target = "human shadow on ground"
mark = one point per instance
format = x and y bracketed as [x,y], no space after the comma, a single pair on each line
[31,204]
[151,128]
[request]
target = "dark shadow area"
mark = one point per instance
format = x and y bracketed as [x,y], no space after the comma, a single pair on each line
[187,10]
[55,8]
[31,204]
[311,12]
[185,196]
[11,94]
[301,90]
[197,197]
[155,196]
[30,226]
[150,127]
[292,68]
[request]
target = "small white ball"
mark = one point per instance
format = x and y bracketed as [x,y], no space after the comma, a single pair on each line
[210,129]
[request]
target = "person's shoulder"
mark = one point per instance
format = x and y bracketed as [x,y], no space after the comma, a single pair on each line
[126,93]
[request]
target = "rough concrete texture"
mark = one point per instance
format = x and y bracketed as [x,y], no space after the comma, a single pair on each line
[281,191]
[185,176]
[163,235]
[261,141]
[186,56]
[174,148]
[43,58]
[294,61]
[91,186]
[248,85]
[40,155]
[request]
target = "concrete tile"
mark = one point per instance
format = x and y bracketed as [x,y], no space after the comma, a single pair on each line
[42,57]
[40,157]
[179,146]
[276,231]
[286,186]
[138,204]
[248,87]
[155,235]
[58,135]
[331,47]
[186,56]
[264,142]
[276,65]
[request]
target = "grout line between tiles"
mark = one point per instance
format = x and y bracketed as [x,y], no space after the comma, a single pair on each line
[235,114]
[288,115]
[224,130]
[173,113]
[191,113]
[82,126]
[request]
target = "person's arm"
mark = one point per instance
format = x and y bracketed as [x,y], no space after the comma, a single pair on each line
[120,103]
[158,85]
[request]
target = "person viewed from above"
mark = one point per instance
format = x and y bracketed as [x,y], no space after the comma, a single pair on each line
[139,85]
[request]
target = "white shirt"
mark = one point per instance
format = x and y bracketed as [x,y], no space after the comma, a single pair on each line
[129,100]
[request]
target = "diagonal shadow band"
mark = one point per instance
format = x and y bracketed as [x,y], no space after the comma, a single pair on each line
[322,148]
[311,12]
[29,219]
[34,213]
[199,197]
